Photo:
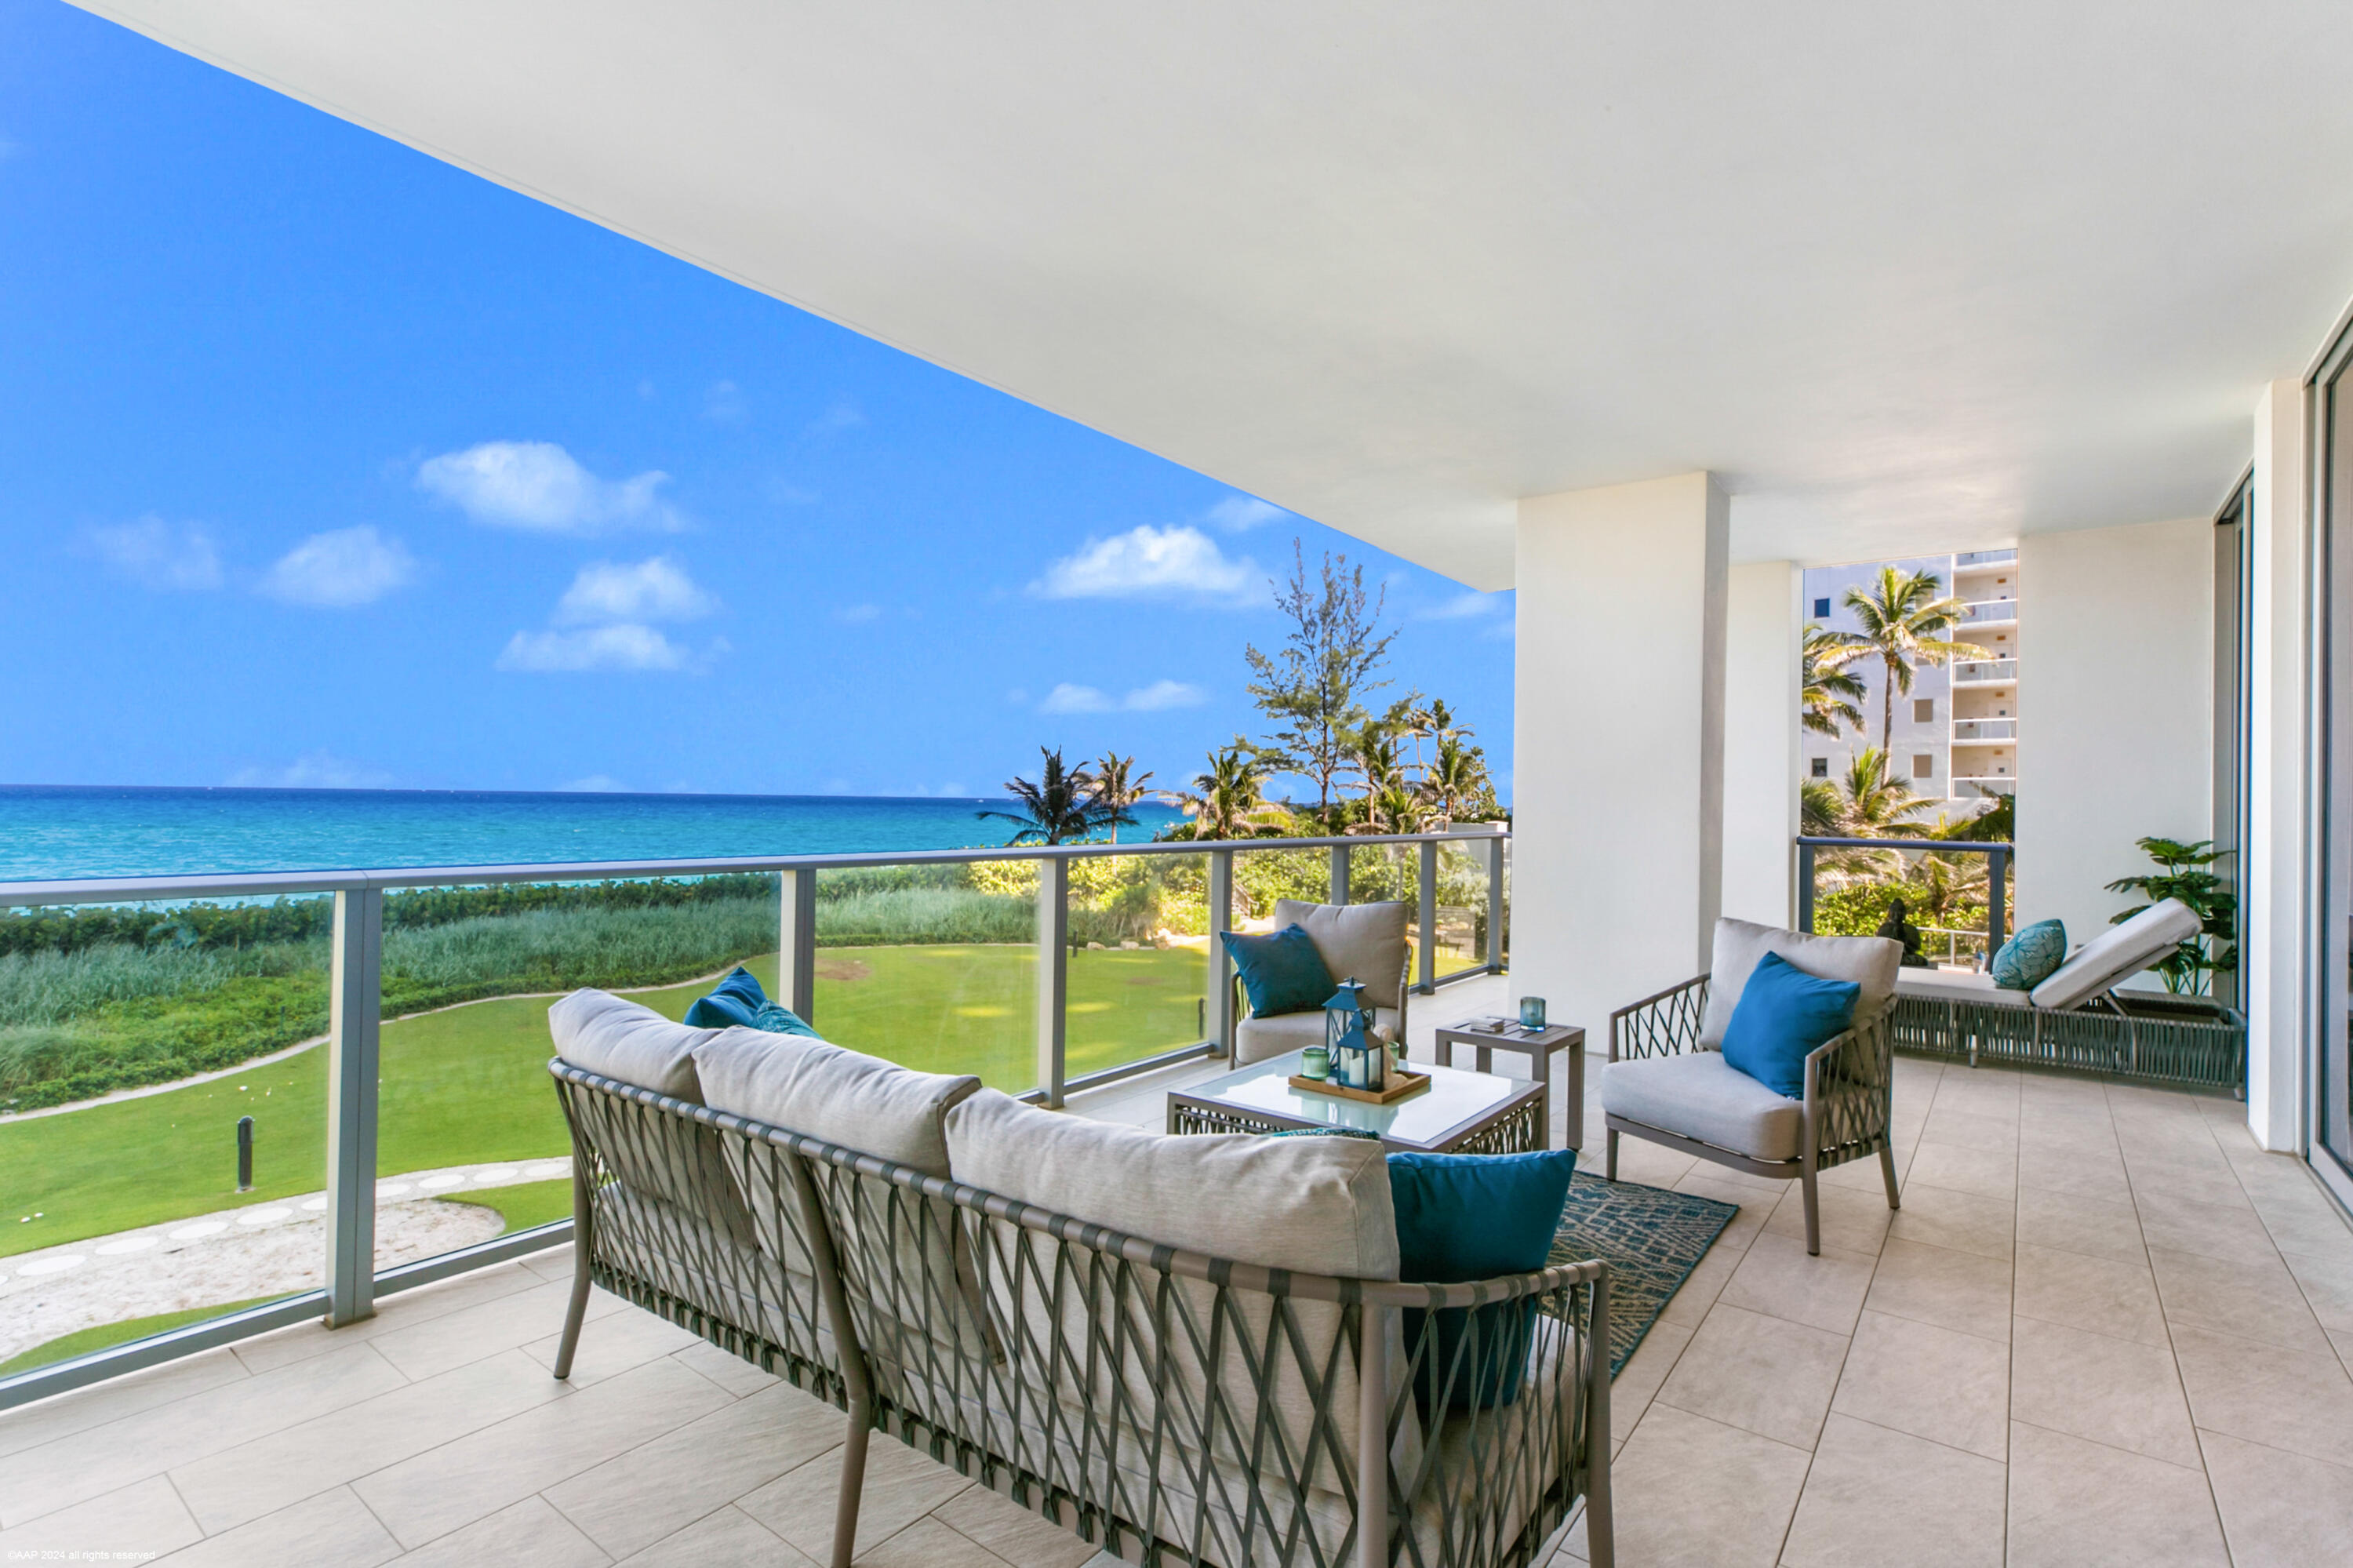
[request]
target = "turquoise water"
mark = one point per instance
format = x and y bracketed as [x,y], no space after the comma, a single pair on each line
[64,832]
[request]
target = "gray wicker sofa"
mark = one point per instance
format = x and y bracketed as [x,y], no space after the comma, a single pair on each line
[1181,1348]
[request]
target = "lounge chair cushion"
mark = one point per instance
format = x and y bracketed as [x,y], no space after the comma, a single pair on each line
[2031,957]
[2117,954]
[810,1086]
[1698,1095]
[615,1038]
[1363,940]
[1870,961]
[1957,985]
[1256,1038]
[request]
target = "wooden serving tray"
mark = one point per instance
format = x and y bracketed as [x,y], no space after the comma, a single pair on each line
[1401,1084]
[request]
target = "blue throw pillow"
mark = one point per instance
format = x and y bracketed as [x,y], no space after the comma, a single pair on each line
[2031,957]
[1281,971]
[1473,1216]
[1784,1012]
[738,1003]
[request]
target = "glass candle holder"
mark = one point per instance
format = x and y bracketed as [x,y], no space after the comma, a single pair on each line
[1315,1063]
[1531,1012]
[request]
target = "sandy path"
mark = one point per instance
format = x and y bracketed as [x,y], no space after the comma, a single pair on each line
[235,1255]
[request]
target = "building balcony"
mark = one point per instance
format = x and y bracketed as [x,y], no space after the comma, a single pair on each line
[2041,1314]
[1986,673]
[1982,787]
[1968,731]
[1975,558]
[1990,612]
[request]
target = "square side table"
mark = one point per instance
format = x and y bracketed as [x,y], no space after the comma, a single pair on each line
[1538,1047]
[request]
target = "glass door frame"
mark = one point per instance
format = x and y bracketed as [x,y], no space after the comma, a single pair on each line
[2327,1057]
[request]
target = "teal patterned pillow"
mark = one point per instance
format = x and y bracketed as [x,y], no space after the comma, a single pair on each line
[2031,957]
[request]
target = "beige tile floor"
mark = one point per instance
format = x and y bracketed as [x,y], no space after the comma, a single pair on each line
[2104,1328]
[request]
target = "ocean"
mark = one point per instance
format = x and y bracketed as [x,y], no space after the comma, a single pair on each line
[65,831]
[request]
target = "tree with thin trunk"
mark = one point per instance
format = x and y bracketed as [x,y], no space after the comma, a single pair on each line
[1059,807]
[1904,617]
[1119,787]
[1831,691]
[1312,688]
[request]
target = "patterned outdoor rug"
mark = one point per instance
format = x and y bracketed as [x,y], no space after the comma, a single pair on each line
[1651,1239]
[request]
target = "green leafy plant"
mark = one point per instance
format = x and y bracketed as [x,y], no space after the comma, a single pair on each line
[2183,872]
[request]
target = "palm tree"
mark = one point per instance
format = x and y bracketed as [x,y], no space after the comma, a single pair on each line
[1119,787]
[1061,806]
[1904,617]
[1227,802]
[1455,780]
[1830,693]
[1866,804]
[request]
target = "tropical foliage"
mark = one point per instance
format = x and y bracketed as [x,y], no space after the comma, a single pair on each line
[1830,691]
[1905,618]
[1314,687]
[1227,800]
[1066,805]
[2184,872]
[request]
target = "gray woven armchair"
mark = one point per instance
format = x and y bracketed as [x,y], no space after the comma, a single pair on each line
[1666,1079]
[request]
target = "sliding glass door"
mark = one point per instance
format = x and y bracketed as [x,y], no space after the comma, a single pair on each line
[2331,1071]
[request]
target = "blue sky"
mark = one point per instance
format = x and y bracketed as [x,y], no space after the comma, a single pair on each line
[323,463]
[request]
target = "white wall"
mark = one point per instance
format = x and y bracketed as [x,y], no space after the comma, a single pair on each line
[1764,620]
[2274,869]
[1617,743]
[2116,711]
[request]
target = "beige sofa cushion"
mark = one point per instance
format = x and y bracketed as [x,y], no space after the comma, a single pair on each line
[1699,1094]
[617,1038]
[1256,1039]
[819,1089]
[1363,940]
[1870,961]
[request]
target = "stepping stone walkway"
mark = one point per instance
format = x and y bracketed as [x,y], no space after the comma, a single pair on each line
[272,1248]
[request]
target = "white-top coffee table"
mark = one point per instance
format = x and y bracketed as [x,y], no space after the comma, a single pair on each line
[1460,1113]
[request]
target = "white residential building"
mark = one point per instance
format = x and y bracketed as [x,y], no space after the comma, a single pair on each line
[1953,735]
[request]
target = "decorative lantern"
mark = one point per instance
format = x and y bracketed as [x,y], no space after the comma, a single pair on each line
[1358,1061]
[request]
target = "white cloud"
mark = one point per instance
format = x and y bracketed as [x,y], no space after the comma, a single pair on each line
[858,614]
[1147,561]
[1067,698]
[841,414]
[596,784]
[1239,513]
[341,568]
[314,770]
[1464,606]
[657,589]
[723,404]
[625,646]
[159,554]
[537,485]
[1164,694]
[1159,696]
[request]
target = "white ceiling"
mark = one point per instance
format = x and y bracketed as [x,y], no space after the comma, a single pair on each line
[1908,276]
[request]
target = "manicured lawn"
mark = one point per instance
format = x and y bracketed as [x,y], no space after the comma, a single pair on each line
[66,1346]
[470,1084]
[524,1206]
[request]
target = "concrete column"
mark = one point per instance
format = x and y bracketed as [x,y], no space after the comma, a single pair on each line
[2116,729]
[1764,630]
[1617,742]
[2275,874]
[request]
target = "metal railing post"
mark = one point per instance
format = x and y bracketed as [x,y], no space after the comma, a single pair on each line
[1997,896]
[355,991]
[1054,972]
[797,942]
[1428,915]
[1495,905]
[1218,1015]
[1805,887]
[1339,875]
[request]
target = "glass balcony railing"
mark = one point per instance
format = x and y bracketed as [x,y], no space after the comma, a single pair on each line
[1985,671]
[341,1077]
[1969,729]
[1988,611]
[1986,559]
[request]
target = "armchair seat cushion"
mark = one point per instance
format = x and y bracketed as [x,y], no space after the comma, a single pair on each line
[1256,1039]
[1701,1095]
